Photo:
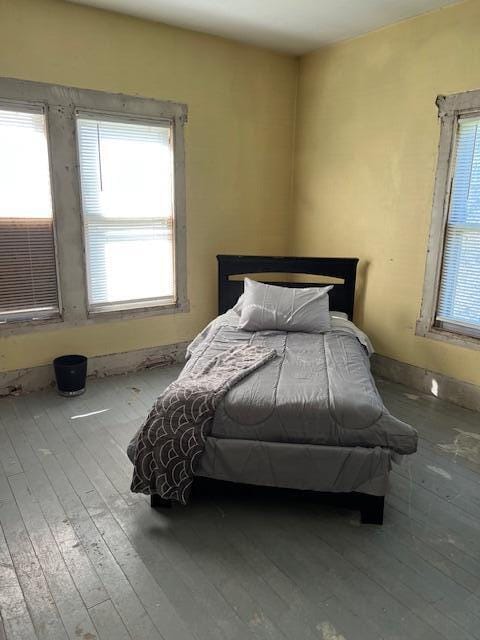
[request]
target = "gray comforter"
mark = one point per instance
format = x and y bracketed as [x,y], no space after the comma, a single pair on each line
[318,391]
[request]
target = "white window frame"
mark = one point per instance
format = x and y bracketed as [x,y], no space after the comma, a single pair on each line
[60,104]
[126,305]
[450,109]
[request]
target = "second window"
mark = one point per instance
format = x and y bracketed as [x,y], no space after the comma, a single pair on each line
[126,171]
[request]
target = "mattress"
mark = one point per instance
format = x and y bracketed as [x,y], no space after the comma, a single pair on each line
[318,391]
[297,466]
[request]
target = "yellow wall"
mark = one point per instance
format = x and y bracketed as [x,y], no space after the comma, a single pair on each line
[366,152]
[239,145]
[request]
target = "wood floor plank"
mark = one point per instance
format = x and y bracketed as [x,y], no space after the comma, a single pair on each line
[108,623]
[456,490]
[323,566]
[43,612]
[89,445]
[8,458]
[406,543]
[72,610]
[417,585]
[255,602]
[170,562]
[152,596]
[433,455]
[247,609]
[311,574]
[126,601]
[309,578]
[27,441]
[463,528]
[280,597]
[439,539]
[389,611]
[296,607]
[14,617]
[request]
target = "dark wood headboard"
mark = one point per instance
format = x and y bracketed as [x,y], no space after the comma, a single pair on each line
[342,296]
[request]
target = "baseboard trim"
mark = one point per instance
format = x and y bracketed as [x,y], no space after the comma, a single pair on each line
[36,378]
[435,384]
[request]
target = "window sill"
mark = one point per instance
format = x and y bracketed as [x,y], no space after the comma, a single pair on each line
[25,326]
[141,312]
[49,324]
[450,337]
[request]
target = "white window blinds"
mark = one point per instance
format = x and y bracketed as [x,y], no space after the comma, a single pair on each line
[126,174]
[28,278]
[459,296]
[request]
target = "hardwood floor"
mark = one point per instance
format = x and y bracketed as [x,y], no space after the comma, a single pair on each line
[83,558]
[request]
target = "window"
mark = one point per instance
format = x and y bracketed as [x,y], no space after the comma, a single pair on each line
[127,196]
[459,296]
[451,304]
[28,275]
[92,206]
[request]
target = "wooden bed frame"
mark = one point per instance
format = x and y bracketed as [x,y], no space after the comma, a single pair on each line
[342,298]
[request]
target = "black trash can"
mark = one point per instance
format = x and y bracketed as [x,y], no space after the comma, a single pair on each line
[70,373]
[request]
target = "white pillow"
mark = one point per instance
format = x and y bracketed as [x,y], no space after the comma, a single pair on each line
[267,307]
[237,307]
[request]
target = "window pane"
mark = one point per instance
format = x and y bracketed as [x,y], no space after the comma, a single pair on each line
[459,299]
[127,195]
[28,279]
[130,263]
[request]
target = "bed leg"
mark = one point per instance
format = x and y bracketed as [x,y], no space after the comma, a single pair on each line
[371,509]
[157,501]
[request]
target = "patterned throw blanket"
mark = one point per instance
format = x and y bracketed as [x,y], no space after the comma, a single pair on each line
[166,448]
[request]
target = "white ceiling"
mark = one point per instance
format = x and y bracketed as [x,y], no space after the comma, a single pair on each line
[291,26]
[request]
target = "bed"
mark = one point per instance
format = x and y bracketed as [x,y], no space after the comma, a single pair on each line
[312,419]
